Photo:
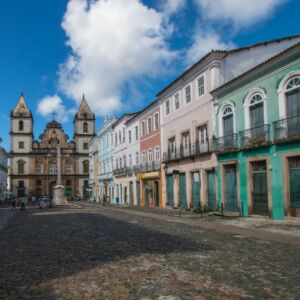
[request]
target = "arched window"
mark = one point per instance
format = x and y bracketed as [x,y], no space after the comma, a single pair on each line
[227,120]
[21,125]
[85,164]
[21,164]
[292,95]
[85,127]
[256,111]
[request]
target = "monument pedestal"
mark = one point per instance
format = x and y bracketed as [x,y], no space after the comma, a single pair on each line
[59,197]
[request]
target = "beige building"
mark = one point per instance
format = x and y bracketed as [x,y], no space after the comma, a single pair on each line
[33,164]
[94,183]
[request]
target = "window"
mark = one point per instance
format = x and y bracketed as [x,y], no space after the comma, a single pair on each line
[256,111]
[167,106]
[85,127]
[188,95]
[111,139]
[85,146]
[69,168]
[53,168]
[21,164]
[150,155]
[21,125]
[293,83]
[130,160]
[157,153]
[149,121]
[143,128]
[177,101]
[202,134]
[172,145]
[125,161]
[137,158]
[117,164]
[129,136]
[144,157]
[292,104]
[156,121]
[120,137]
[20,184]
[39,182]
[69,182]
[186,140]
[21,145]
[201,89]
[85,165]
[38,168]
[116,139]
[124,135]
[136,133]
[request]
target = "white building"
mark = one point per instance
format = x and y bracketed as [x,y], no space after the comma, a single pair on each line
[94,169]
[3,172]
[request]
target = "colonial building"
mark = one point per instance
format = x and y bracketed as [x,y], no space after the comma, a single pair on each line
[188,125]
[3,172]
[258,138]
[149,171]
[106,153]
[94,169]
[33,166]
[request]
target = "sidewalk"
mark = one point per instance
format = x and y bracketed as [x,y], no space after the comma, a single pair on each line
[257,228]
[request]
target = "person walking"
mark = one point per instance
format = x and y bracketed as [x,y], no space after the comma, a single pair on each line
[14,203]
[23,203]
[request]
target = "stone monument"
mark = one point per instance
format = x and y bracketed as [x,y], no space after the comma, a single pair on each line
[59,197]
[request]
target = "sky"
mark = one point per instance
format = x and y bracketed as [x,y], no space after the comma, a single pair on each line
[119,53]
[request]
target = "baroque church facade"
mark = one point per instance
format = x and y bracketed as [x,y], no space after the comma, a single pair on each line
[34,162]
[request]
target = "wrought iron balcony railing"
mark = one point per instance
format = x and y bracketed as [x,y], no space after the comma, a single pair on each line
[255,136]
[287,129]
[226,143]
[148,167]
[120,172]
[185,151]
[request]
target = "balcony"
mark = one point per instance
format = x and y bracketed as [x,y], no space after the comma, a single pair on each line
[190,151]
[255,137]
[120,172]
[226,143]
[150,166]
[287,130]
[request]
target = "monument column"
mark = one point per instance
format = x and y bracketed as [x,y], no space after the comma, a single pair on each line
[59,197]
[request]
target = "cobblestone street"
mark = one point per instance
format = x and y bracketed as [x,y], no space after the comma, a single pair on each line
[102,253]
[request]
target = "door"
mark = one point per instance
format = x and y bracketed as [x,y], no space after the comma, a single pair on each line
[131,192]
[294,171]
[293,112]
[138,193]
[231,202]
[156,187]
[211,189]
[51,187]
[228,131]
[182,180]
[146,193]
[170,190]
[260,188]
[125,194]
[257,120]
[196,189]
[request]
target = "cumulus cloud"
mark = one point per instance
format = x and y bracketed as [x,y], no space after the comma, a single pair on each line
[226,14]
[112,43]
[204,42]
[169,7]
[54,104]
[238,12]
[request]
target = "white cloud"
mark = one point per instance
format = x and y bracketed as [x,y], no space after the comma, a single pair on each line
[169,7]
[204,43]
[112,42]
[238,12]
[54,104]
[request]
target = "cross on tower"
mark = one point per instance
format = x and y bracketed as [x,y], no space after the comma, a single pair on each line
[53,115]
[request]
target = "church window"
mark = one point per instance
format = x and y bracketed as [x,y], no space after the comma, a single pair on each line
[21,168]
[69,168]
[21,125]
[85,166]
[38,168]
[52,168]
[85,146]
[85,127]
[21,145]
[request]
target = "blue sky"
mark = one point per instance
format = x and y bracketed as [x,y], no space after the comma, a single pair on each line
[119,53]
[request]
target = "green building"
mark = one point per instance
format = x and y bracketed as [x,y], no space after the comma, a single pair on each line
[257,125]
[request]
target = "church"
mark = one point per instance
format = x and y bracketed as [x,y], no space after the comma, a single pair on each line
[34,162]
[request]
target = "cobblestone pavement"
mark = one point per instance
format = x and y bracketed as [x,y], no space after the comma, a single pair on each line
[98,253]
